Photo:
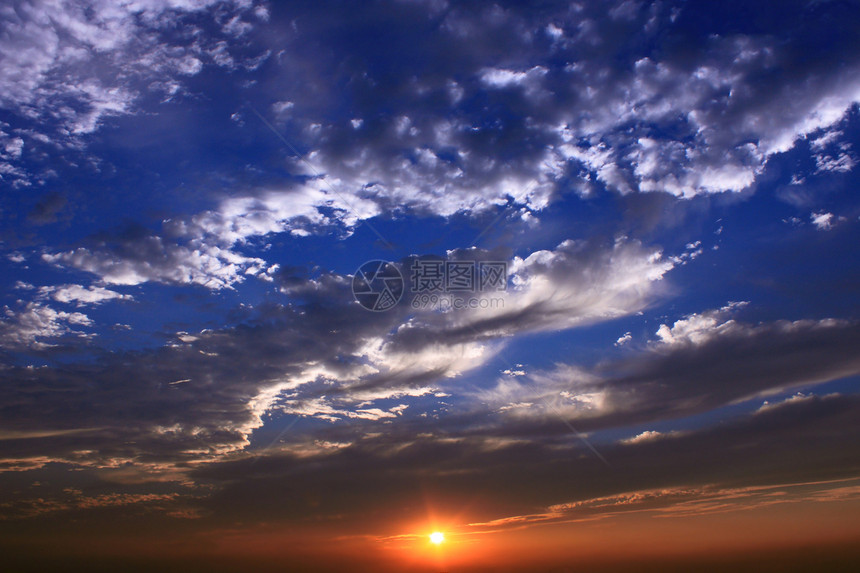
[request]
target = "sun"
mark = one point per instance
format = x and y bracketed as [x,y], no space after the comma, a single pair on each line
[437,537]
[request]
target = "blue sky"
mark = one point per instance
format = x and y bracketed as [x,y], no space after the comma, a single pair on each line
[188,188]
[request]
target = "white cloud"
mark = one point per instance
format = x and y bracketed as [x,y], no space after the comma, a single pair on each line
[725,131]
[27,327]
[566,392]
[76,63]
[825,139]
[841,163]
[823,221]
[578,284]
[13,147]
[624,339]
[517,371]
[154,259]
[298,211]
[81,295]
[646,436]
[500,78]
[697,329]
[280,108]
[830,154]
[200,250]
[768,406]
[236,27]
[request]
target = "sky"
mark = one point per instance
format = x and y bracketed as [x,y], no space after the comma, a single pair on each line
[293,285]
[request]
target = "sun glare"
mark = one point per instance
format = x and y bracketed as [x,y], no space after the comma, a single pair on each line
[437,537]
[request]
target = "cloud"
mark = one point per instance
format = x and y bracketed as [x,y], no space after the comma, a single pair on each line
[11,149]
[689,117]
[830,154]
[230,379]
[298,211]
[646,436]
[579,283]
[703,362]
[80,295]
[529,81]
[687,501]
[745,462]
[78,63]
[27,327]
[286,362]
[47,208]
[624,339]
[137,256]
[697,329]
[684,121]
[822,221]
[575,101]
[576,284]
[201,250]
[71,500]
[203,395]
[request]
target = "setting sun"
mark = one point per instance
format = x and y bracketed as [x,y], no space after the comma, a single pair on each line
[437,537]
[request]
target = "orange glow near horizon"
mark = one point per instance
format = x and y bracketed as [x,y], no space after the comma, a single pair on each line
[588,544]
[444,542]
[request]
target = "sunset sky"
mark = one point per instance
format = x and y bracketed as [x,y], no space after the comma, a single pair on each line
[291,286]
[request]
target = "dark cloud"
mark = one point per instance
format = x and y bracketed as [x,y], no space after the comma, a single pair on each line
[483,480]
[703,363]
[47,209]
[179,402]
[207,391]
[195,401]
